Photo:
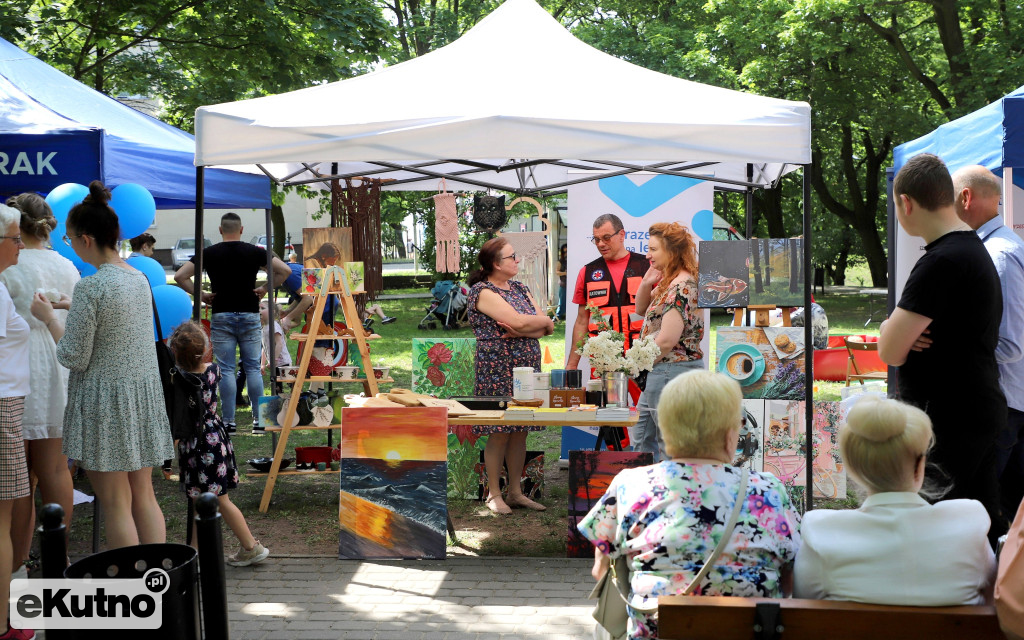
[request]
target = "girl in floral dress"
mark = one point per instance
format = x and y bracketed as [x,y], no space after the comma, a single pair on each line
[506,322]
[207,461]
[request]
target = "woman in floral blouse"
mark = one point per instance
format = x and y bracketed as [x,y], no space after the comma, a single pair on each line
[668,297]
[667,518]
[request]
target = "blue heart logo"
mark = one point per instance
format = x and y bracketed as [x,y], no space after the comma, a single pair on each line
[640,199]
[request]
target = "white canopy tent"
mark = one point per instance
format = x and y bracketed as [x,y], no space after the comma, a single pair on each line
[516,104]
[511,105]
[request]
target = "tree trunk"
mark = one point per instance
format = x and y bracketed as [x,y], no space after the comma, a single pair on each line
[277,225]
[755,252]
[794,265]
[766,245]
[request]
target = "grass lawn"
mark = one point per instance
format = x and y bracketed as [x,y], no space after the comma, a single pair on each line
[303,513]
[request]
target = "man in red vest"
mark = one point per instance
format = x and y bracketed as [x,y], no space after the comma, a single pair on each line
[609,283]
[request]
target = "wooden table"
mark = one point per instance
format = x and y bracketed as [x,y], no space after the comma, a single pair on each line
[566,419]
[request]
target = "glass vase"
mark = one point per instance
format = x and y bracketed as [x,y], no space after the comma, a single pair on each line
[616,389]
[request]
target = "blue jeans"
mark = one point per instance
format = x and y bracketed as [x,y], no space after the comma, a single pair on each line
[648,438]
[241,331]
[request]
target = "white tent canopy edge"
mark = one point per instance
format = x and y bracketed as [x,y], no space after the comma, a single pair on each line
[602,111]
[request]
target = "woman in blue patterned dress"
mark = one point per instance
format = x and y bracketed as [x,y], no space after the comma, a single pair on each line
[207,460]
[667,518]
[115,422]
[507,322]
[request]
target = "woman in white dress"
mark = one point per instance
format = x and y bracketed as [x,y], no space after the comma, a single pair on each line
[116,420]
[41,269]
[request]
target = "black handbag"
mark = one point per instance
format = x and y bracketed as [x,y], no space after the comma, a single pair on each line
[164,363]
[641,380]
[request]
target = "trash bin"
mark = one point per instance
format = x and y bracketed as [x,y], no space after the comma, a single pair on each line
[180,601]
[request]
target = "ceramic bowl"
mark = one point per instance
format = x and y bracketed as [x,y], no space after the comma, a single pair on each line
[345,372]
[263,464]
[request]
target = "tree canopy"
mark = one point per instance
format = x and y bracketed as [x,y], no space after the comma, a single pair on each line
[876,73]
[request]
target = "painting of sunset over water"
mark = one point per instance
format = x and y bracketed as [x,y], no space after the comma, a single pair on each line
[394,477]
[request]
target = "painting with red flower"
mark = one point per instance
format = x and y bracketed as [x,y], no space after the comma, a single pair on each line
[443,367]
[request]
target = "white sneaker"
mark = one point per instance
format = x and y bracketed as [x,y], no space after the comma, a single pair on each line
[22,573]
[244,558]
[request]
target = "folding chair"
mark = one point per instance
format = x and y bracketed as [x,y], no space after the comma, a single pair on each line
[853,345]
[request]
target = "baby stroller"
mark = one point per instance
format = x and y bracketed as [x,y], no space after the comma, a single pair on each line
[448,306]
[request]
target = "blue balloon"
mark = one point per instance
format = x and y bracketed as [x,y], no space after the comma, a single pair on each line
[65,196]
[135,209]
[153,269]
[174,307]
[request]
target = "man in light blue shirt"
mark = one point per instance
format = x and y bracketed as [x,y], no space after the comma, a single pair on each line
[977,192]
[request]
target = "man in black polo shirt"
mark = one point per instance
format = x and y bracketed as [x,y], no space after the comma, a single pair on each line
[943,334]
[235,324]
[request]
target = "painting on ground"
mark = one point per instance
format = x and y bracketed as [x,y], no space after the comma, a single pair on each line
[785,438]
[750,446]
[444,367]
[590,474]
[324,247]
[776,272]
[722,274]
[394,475]
[767,362]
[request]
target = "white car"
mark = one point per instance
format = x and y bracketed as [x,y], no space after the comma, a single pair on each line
[184,249]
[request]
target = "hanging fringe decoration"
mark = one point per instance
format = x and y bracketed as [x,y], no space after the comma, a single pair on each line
[532,249]
[448,258]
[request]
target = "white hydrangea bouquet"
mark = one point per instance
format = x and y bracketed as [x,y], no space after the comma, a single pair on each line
[605,350]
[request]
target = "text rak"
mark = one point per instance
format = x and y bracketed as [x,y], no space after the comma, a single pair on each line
[22,163]
[93,603]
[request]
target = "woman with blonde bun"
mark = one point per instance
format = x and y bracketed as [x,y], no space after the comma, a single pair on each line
[897,548]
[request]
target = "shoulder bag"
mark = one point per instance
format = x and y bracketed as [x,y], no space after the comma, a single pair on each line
[612,589]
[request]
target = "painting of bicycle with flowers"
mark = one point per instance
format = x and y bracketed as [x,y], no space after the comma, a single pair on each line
[443,367]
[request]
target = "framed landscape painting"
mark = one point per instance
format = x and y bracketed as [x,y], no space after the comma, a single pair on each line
[393,487]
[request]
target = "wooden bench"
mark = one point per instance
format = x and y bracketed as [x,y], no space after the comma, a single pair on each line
[727,618]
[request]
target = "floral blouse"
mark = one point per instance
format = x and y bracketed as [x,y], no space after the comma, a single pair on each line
[682,297]
[668,518]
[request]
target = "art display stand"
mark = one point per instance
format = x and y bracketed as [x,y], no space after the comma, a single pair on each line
[334,283]
[760,315]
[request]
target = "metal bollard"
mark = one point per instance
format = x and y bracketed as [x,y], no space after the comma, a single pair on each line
[53,547]
[212,585]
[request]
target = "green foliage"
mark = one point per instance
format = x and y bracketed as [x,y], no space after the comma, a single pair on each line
[462,460]
[194,53]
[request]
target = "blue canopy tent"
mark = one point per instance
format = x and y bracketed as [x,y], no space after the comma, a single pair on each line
[992,136]
[54,129]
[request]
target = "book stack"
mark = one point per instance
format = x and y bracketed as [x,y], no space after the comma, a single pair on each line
[613,414]
[519,413]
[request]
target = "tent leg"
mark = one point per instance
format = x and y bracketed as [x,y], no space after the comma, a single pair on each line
[271,311]
[197,291]
[808,340]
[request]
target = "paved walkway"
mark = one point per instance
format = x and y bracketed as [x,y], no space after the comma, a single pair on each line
[457,598]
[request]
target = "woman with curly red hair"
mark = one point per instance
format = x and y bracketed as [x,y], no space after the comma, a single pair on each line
[668,299]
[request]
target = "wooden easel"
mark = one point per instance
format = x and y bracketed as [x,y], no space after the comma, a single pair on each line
[334,282]
[760,315]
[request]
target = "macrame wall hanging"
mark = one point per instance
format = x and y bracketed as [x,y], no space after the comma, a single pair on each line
[531,248]
[358,206]
[448,258]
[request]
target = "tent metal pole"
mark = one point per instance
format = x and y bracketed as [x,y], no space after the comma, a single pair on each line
[749,221]
[271,308]
[197,283]
[892,231]
[808,341]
